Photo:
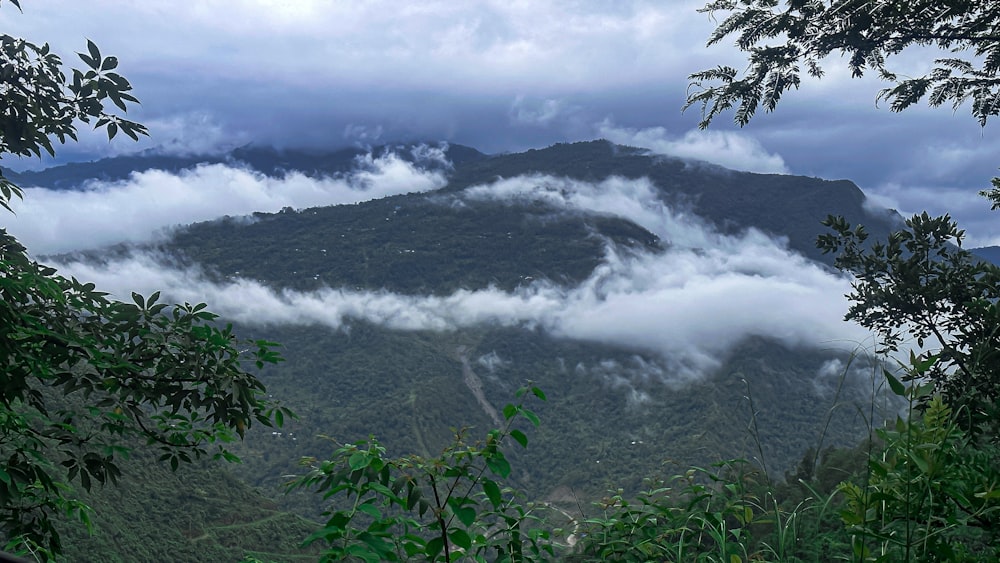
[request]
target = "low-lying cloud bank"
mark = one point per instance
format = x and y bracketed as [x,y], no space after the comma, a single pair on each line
[730,149]
[689,304]
[149,203]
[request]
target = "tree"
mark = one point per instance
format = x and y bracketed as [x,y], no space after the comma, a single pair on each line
[432,509]
[868,33]
[919,283]
[922,285]
[84,378]
[930,493]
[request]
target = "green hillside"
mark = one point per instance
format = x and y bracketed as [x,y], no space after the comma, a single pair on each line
[615,415]
[409,244]
[789,206]
[198,513]
[409,388]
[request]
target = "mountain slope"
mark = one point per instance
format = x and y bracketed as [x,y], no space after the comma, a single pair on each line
[198,513]
[789,206]
[265,160]
[583,260]
[407,387]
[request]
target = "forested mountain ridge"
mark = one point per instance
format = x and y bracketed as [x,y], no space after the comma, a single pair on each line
[504,227]
[782,205]
[266,160]
[415,243]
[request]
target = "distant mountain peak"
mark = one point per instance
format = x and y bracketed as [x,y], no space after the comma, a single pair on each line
[267,160]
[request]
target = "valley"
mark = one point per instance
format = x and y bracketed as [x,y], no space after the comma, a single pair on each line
[667,308]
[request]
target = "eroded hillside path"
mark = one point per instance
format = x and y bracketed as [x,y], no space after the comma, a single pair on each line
[475,385]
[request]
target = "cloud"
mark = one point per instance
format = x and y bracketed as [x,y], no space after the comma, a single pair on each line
[467,47]
[689,304]
[322,74]
[194,133]
[363,135]
[539,112]
[725,148]
[966,207]
[142,207]
[492,361]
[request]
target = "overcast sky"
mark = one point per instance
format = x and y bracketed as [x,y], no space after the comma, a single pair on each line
[499,76]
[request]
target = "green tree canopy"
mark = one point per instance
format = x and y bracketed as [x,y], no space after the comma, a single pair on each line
[783,38]
[919,285]
[83,377]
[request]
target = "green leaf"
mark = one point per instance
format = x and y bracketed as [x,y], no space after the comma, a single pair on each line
[519,437]
[95,53]
[363,552]
[358,460]
[90,62]
[460,538]
[434,546]
[492,491]
[532,417]
[466,515]
[499,465]
[370,510]
[412,496]
[897,386]
[509,411]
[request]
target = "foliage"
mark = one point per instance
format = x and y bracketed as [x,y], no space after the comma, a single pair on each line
[200,512]
[701,515]
[921,284]
[414,244]
[426,243]
[82,375]
[434,509]
[39,104]
[932,493]
[867,34]
[407,388]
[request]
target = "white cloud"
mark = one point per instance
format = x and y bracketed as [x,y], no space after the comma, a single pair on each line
[690,304]
[535,112]
[464,46]
[140,208]
[725,148]
[966,207]
[194,133]
[363,135]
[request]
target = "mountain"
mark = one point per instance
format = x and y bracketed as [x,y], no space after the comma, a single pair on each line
[989,253]
[631,287]
[200,512]
[265,160]
[789,206]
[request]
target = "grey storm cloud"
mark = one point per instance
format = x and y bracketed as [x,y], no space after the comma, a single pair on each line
[499,76]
